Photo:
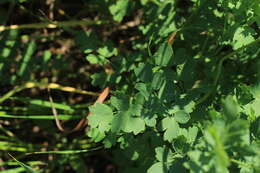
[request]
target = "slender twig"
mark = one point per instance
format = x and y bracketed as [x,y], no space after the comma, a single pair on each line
[54,111]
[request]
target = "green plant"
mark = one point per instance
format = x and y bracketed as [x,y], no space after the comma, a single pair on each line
[184,80]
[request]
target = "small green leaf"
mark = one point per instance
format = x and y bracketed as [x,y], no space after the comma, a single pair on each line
[99,79]
[126,123]
[143,90]
[135,125]
[164,55]
[107,51]
[243,94]
[164,154]
[144,72]
[120,102]
[230,108]
[157,168]
[182,117]
[93,59]
[135,109]
[158,80]
[96,135]
[119,9]
[192,134]
[150,120]
[101,117]
[181,144]
[46,56]
[171,128]
[243,36]
[110,140]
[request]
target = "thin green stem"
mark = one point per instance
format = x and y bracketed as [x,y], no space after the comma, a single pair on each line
[10,93]
[219,68]
[241,163]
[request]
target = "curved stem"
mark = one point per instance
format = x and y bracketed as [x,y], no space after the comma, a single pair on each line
[219,68]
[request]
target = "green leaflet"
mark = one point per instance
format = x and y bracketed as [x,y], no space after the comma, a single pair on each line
[96,135]
[164,155]
[144,72]
[230,108]
[127,119]
[101,117]
[182,117]
[165,158]
[157,167]
[185,104]
[119,9]
[171,128]
[164,55]
[125,122]
[103,53]
[243,36]
[143,90]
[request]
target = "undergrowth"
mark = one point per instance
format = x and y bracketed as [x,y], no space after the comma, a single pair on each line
[183,79]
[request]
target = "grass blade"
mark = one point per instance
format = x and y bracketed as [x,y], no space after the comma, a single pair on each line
[27,168]
[67,151]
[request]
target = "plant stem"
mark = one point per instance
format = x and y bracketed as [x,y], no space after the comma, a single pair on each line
[241,163]
[219,68]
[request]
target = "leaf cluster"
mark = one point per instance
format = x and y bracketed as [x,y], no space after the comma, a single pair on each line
[184,79]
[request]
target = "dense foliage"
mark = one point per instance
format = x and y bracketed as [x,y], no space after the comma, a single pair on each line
[184,77]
